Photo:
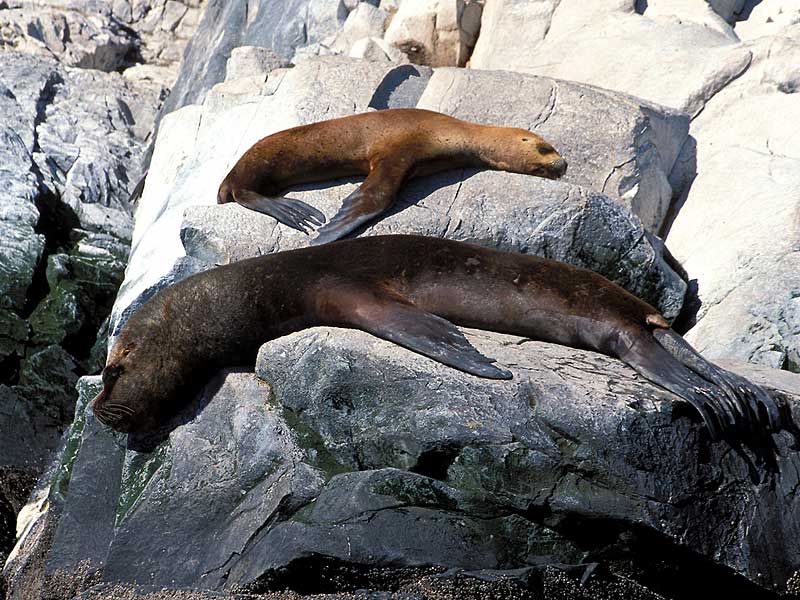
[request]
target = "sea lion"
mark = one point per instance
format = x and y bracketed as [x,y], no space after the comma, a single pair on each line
[410,290]
[387,146]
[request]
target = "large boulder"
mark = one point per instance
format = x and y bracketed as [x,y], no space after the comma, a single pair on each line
[348,452]
[674,61]
[199,144]
[736,231]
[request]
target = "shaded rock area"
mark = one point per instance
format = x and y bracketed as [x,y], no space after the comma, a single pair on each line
[70,165]
[73,130]
[349,463]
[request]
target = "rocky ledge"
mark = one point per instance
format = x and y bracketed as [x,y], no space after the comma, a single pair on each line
[347,454]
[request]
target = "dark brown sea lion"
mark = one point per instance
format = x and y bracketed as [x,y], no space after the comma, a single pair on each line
[409,290]
[387,146]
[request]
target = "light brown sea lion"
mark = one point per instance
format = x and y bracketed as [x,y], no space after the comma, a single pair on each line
[387,146]
[410,290]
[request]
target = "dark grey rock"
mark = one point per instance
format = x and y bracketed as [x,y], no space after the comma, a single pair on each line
[352,456]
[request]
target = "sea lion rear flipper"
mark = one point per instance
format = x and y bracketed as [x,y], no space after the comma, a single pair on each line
[289,211]
[752,399]
[370,199]
[391,317]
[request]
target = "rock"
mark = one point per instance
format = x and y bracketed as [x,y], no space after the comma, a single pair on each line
[83,39]
[376,49]
[678,63]
[745,259]
[364,21]
[435,32]
[767,17]
[74,139]
[281,28]
[248,61]
[630,157]
[678,11]
[13,335]
[350,454]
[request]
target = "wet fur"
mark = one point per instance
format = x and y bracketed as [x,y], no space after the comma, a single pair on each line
[409,290]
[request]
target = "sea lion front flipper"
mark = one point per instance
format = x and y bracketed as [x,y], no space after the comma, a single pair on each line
[370,199]
[289,211]
[392,317]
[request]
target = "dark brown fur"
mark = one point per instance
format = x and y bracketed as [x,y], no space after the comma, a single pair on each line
[410,290]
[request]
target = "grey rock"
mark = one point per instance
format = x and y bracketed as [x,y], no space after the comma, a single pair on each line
[78,38]
[615,144]
[352,453]
[13,335]
[745,259]
[249,61]
[677,62]
[281,28]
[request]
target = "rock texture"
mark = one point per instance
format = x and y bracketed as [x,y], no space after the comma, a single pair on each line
[348,450]
[201,143]
[736,232]
[669,59]
[73,131]
[72,158]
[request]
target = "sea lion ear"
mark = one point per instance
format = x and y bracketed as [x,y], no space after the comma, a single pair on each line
[392,317]
[128,349]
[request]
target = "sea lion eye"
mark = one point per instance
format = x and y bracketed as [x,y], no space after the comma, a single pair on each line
[111,373]
[526,139]
[545,149]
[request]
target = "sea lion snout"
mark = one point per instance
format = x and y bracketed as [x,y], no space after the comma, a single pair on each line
[558,167]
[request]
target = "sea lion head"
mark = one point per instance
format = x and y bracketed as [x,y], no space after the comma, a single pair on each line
[144,374]
[522,151]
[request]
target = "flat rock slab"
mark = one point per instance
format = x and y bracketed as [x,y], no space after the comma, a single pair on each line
[354,451]
[666,58]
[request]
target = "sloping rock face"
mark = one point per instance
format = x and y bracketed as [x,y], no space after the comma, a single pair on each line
[347,450]
[745,203]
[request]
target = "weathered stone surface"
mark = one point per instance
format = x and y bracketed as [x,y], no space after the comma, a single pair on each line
[74,139]
[364,21]
[676,62]
[614,144]
[280,27]
[767,17]
[89,40]
[250,61]
[352,451]
[736,231]
[436,32]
